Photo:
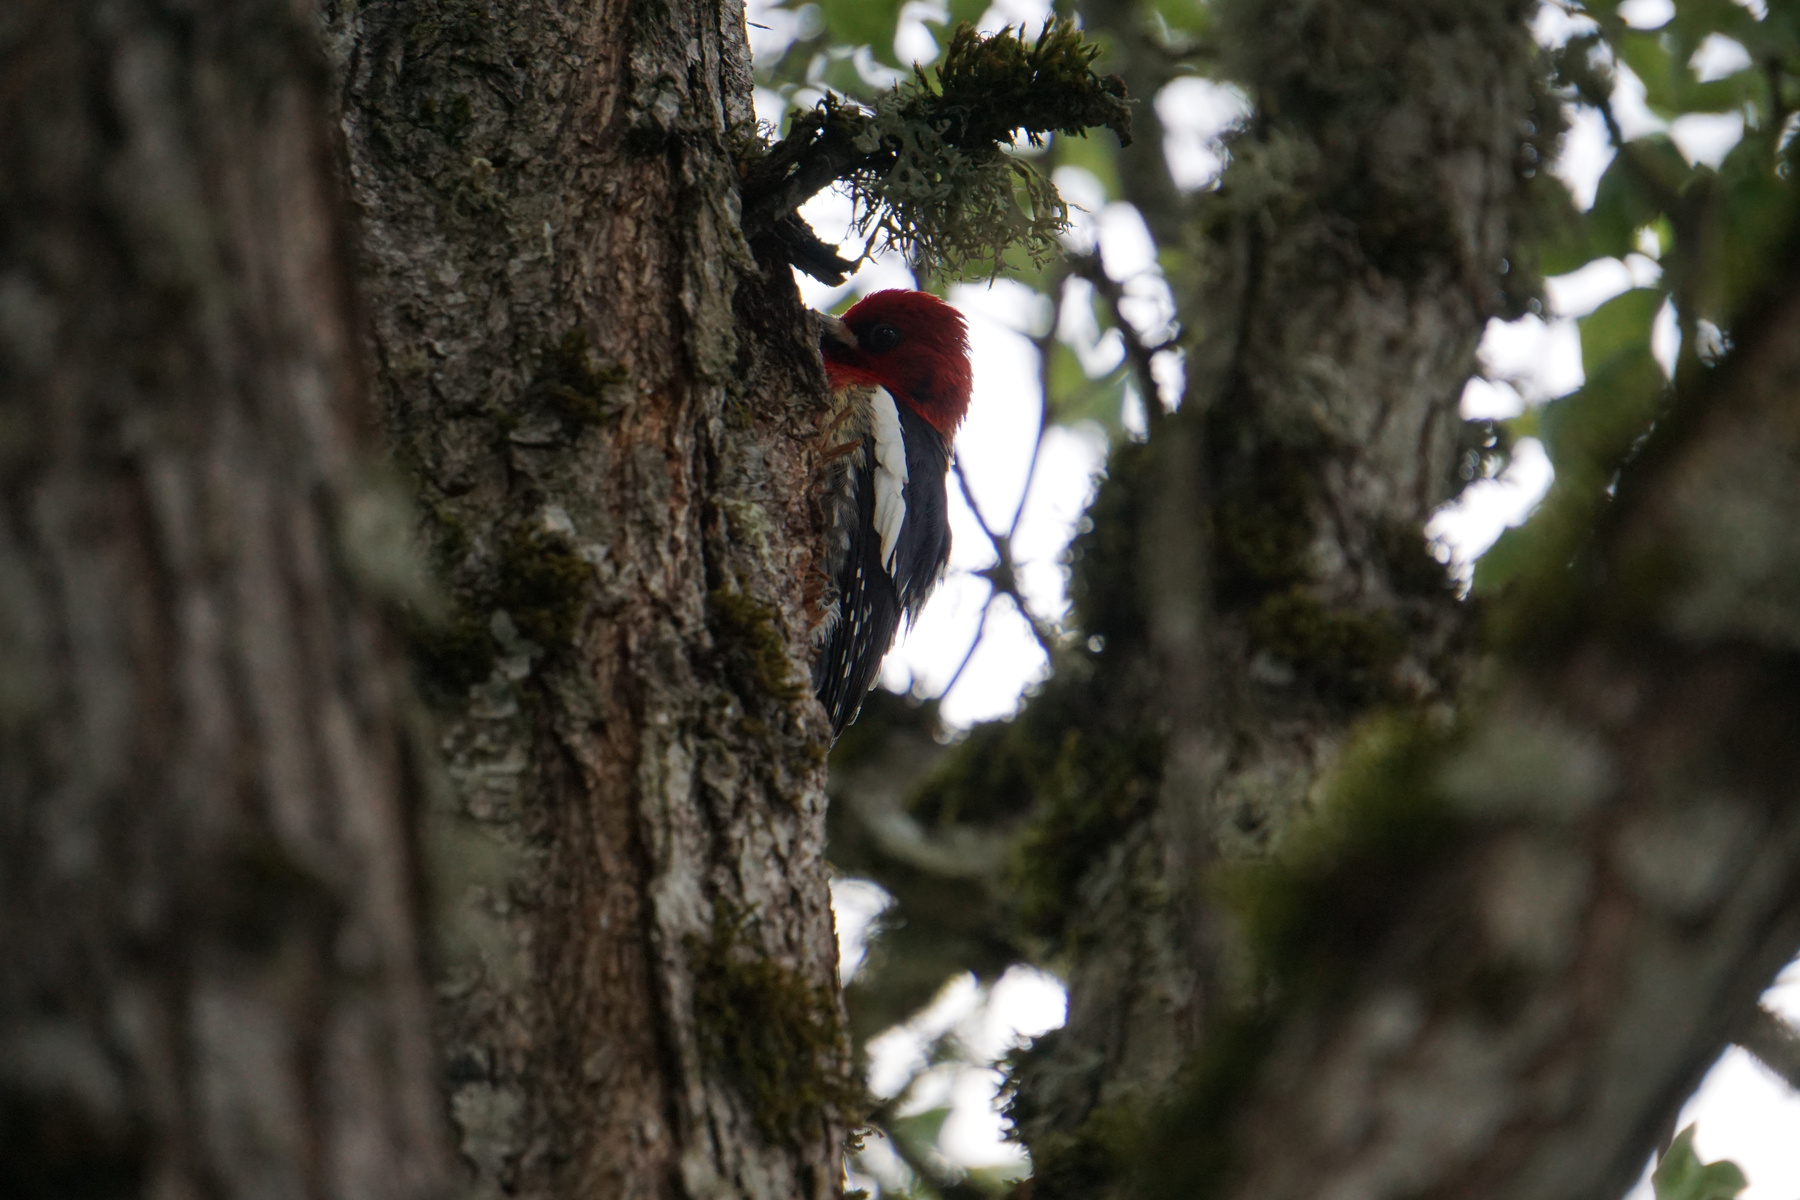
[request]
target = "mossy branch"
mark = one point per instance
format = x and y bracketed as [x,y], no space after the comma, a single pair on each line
[927,167]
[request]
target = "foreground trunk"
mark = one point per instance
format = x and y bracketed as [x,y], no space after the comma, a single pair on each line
[209,978]
[610,414]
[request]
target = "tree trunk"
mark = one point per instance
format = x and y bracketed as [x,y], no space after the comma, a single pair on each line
[210,981]
[612,417]
[1614,876]
[1333,333]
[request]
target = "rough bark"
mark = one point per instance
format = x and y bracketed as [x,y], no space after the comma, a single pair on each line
[612,417]
[1342,277]
[1628,880]
[209,979]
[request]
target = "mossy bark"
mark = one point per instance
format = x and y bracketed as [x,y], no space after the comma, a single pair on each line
[611,415]
[1335,285]
[210,976]
[1612,873]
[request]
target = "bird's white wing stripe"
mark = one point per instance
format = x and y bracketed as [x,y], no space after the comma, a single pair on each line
[890,474]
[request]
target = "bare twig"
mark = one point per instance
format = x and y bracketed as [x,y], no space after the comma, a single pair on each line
[974,645]
[1140,355]
[1003,575]
[1774,1043]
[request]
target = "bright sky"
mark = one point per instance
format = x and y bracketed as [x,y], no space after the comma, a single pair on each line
[1744,1112]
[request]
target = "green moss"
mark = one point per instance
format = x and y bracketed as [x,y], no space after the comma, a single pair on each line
[1092,1160]
[778,1036]
[542,584]
[1103,558]
[1061,773]
[1090,789]
[1189,1148]
[1410,564]
[949,196]
[1314,913]
[573,383]
[929,171]
[751,647]
[1262,522]
[1094,1157]
[1347,652]
[1312,917]
[449,655]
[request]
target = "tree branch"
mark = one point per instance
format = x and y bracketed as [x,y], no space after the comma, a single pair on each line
[986,91]
[1773,1042]
[1140,355]
[1600,868]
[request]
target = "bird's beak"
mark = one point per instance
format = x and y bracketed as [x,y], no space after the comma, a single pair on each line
[834,330]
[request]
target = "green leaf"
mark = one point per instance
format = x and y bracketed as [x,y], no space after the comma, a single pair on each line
[1695,19]
[1097,155]
[1642,179]
[1075,397]
[1759,209]
[919,1131]
[868,23]
[1184,16]
[1618,327]
[1620,209]
[1651,58]
[960,11]
[1682,1176]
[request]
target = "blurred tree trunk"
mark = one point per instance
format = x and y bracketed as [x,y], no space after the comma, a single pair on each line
[1483,973]
[209,972]
[1331,334]
[610,413]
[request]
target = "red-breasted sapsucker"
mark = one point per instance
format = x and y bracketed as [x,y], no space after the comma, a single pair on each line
[898,363]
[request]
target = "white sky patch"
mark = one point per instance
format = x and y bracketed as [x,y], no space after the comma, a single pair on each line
[771,107]
[1553,25]
[1476,519]
[1586,153]
[1086,197]
[913,40]
[1030,13]
[1126,247]
[1665,338]
[1647,14]
[772,30]
[855,903]
[1022,1004]
[1583,290]
[1538,359]
[986,1023]
[1718,57]
[1706,138]
[1629,108]
[1195,114]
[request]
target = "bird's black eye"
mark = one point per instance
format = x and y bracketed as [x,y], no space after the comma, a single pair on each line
[880,338]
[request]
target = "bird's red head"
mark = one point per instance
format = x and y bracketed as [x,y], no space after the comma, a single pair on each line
[912,344]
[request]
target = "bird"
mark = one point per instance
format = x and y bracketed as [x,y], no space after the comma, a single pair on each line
[898,364]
